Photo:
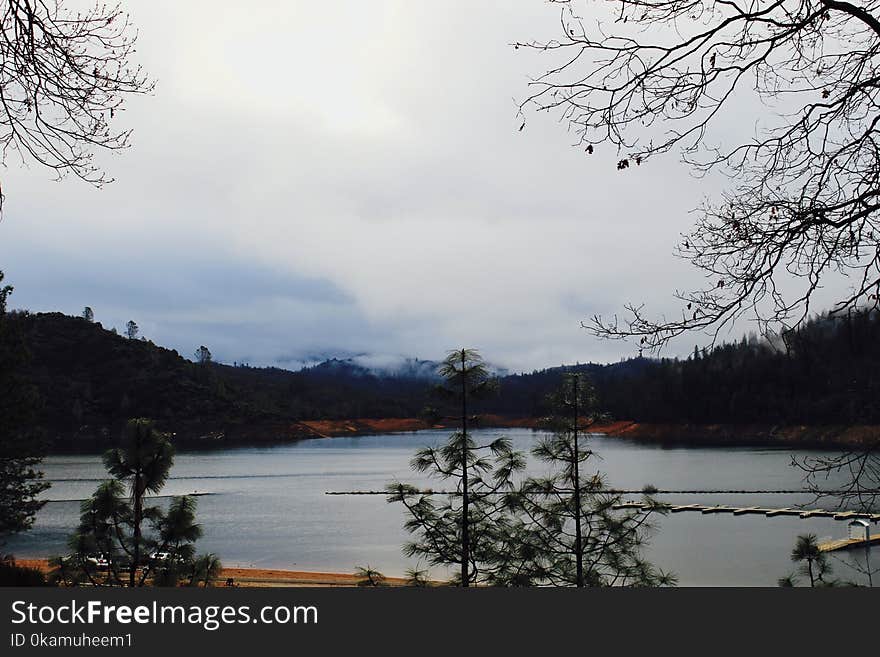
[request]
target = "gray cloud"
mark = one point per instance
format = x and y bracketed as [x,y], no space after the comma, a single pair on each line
[350,178]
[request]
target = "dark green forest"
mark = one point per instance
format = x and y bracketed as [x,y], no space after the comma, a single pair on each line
[825,373]
[90,381]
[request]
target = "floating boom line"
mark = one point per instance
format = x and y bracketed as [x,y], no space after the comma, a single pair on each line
[614,491]
[665,507]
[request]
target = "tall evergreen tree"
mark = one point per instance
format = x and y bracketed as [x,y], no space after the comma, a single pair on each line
[121,539]
[21,447]
[142,464]
[569,532]
[462,531]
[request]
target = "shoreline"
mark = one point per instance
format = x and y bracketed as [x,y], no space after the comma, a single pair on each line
[684,434]
[262,577]
[829,437]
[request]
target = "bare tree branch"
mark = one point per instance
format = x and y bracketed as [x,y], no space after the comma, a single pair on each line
[805,193]
[63,77]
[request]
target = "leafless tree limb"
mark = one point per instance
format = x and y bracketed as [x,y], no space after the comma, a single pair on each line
[63,77]
[805,192]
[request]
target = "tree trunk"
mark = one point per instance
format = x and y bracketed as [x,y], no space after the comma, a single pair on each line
[138,495]
[136,533]
[465,529]
[578,539]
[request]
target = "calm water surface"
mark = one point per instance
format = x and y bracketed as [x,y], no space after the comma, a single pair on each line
[267,505]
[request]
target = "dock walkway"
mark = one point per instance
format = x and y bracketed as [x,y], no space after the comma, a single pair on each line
[847,543]
[754,510]
[826,546]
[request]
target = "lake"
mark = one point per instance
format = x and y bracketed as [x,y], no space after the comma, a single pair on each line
[267,506]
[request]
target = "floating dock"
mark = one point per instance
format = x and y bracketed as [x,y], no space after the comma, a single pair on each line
[753,510]
[830,545]
[847,543]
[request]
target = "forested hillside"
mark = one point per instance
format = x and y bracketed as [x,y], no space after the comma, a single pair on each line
[828,372]
[91,380]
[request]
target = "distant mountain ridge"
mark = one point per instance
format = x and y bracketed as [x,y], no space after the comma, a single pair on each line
[405,367]
[359,366]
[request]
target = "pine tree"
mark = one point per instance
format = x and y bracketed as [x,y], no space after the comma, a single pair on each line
[567,530]
[368,576]
[813,563]
[205,570]
[21,448]
[203,355]
[121,539]
[461,531]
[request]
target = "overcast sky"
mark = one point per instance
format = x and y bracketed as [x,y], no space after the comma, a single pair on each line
[314,179]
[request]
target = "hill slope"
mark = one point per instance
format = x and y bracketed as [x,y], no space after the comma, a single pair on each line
[91,381]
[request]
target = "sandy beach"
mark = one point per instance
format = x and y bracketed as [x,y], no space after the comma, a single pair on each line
[262,577]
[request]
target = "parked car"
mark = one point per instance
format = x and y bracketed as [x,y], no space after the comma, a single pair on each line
[99,561]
